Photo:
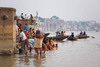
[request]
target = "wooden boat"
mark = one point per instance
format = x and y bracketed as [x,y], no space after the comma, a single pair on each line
[82,37]
[58,38]
[72,38]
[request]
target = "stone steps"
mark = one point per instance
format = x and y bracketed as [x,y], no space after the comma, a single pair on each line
[17,38]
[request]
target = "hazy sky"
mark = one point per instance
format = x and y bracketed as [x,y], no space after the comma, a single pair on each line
[65,9]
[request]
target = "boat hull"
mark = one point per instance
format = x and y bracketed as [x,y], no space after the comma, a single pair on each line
[83,37]
[72,38]
[46,34]
[58,38]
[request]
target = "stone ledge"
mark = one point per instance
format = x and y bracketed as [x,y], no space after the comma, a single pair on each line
[7,8]
[6,52]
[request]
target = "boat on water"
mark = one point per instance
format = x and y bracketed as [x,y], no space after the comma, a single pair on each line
[97,30]
[72,38]
[60,38]
[82,37]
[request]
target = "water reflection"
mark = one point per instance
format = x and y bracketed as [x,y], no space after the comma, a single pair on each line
[38,61]
[7,61]
[26,60]
[30,61]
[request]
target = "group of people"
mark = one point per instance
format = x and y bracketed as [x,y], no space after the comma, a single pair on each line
[30,39]
[81,34]
[58,33]
[26,17]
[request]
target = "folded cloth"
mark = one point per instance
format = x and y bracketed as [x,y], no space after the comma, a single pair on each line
[38,43]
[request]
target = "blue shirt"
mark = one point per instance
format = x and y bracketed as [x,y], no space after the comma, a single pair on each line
[25,28]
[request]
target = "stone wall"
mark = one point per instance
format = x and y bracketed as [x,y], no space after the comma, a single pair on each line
[7,30]
[28,22]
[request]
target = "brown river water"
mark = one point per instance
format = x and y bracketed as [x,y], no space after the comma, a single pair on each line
[80,53]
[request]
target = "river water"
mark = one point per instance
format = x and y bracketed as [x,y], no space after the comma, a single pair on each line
[80,53]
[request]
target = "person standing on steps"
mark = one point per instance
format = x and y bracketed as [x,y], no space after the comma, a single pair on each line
[23,41]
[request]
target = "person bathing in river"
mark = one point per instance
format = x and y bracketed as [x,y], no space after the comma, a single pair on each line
[38,40]
[44,43]
[31,41]
[47,43]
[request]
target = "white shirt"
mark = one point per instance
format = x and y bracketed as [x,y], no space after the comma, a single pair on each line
[22,35]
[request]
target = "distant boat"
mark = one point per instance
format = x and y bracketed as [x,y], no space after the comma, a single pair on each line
[97,30]
[82,37]
[59,38]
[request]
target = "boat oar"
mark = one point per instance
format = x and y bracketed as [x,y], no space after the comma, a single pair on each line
[92,36]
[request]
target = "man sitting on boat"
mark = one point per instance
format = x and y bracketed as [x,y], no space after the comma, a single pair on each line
[62,33]
[72,37]
[84,34]
[81,33]
[72,34]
